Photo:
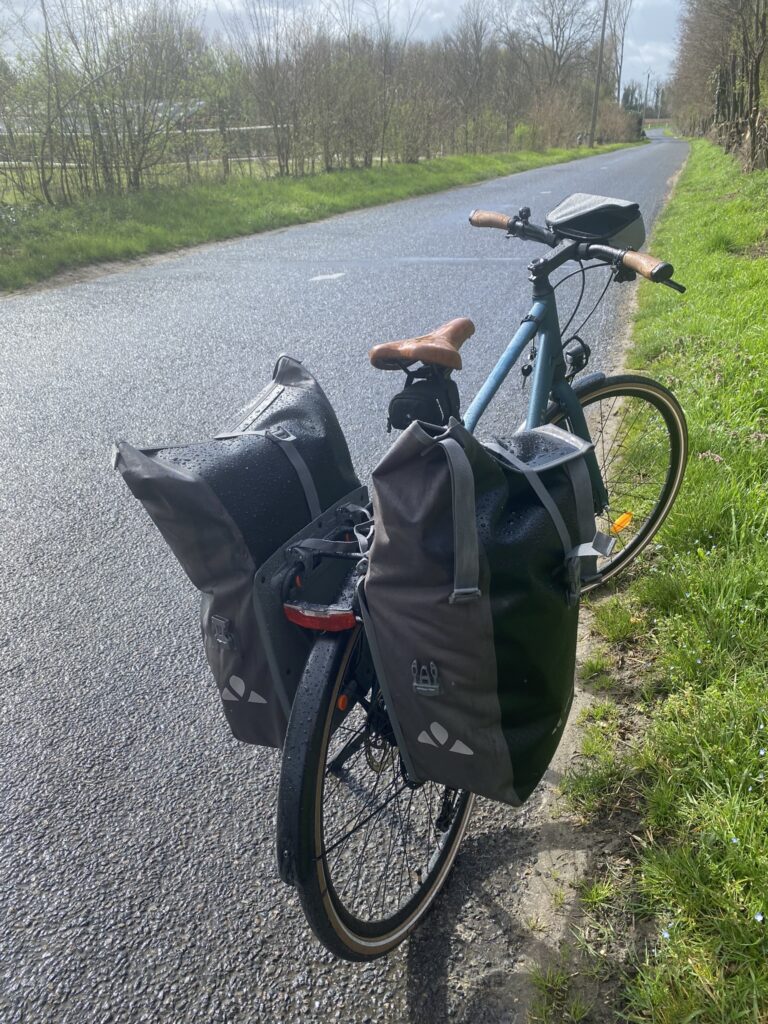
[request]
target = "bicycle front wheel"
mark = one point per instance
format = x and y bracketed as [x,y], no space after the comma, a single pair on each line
[367,848]
[641,443]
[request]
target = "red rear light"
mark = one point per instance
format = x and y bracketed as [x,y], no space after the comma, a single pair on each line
[320,617]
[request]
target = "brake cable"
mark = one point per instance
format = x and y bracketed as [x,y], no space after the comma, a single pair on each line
[580,299]
[592,312]
[583,271]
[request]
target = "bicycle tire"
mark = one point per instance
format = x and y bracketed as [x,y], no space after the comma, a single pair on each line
[656,396]
[301,820]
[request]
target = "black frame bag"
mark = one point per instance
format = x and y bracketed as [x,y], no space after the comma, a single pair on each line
[233,510]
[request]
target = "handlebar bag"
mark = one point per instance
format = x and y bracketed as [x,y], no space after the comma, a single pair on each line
[471,600]
[230,508]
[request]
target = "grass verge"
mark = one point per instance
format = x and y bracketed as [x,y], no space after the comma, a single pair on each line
[698,774]
[37,242]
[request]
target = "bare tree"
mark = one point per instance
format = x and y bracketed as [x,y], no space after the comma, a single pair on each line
[114,95]
[719,70]
[619,13]
[560,34]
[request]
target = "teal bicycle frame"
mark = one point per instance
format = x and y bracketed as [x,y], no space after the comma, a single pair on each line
[548,379]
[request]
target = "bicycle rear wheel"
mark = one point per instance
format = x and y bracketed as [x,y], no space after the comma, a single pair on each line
[641,443]
[367,849]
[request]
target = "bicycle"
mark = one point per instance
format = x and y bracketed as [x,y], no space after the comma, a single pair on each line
[367,850]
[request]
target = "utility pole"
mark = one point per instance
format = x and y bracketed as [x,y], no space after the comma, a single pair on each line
[647,87]
[597,79]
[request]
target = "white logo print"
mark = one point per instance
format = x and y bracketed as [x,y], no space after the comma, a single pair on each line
[440,733]
[425,678]
[237,685]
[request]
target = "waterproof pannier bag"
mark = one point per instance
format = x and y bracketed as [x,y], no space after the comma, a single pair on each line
[232,509]
[471,600]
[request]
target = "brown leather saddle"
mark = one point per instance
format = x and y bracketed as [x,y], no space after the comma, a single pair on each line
[438,348]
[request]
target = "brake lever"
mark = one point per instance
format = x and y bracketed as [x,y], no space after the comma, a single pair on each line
[674,286]
[622,274]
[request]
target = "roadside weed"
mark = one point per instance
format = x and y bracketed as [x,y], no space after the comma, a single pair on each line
[604,711]
[551,984]
[613,621]
[595,664]
[554,1003]
[597,893]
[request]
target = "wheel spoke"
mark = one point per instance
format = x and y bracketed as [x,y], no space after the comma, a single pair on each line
[636,431]
[380,848]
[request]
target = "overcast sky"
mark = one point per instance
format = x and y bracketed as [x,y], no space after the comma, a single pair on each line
[651,38]
[651,34]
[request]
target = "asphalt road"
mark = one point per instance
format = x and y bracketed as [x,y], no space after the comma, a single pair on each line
[137,874]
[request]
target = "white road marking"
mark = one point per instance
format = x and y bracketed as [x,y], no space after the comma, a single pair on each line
[546,193]
[327,277]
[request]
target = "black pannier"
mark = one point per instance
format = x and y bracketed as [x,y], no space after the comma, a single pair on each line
[232,509]
[471,598]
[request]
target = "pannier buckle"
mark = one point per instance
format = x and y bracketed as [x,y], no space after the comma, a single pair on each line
[280,433]
[464,595]
[573,581]
[603,544]
[222,632]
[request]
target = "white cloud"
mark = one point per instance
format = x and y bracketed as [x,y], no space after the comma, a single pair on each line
[651,38]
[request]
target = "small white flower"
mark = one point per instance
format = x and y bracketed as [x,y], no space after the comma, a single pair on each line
[665,934]
[759,917]
[762,751]
[735,841]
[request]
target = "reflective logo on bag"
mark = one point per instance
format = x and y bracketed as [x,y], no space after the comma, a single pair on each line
[438,737]
[236,691]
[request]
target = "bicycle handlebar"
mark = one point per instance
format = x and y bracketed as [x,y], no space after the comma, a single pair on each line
[643,263]
[487,219]
[514,226]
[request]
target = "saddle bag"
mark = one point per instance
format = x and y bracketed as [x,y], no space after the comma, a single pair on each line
[429,395]
[236,511]
[471,600]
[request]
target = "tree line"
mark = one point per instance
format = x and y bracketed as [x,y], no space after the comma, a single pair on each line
[115,95]
[719,80]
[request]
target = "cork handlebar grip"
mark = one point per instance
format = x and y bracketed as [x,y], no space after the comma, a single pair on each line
[487,219]
[650,267]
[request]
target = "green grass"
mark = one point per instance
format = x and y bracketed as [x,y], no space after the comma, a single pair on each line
[596,664]
[554,1002]
[597,893]
[37,242]
[699,774]
[613,620]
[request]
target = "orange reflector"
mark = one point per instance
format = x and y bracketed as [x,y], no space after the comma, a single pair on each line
[320,617]
[622,523]
[343,702]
